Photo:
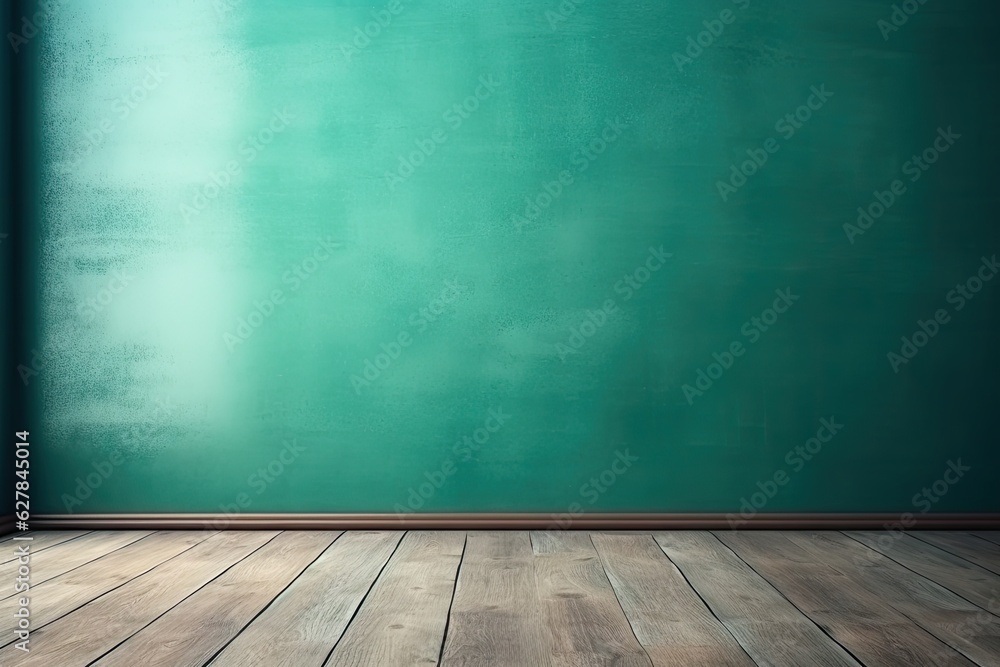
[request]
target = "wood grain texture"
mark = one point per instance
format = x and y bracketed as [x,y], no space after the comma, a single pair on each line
[67,556]
[952,619]
[302,625]
[61,595]
[311,599]
[771,629]
[982,552]
[958,575]
[40,541]
[87,633]
[402,622]
[856,618]
[584,619]
[667,617]
[988,535]
[496,616]
[196,629]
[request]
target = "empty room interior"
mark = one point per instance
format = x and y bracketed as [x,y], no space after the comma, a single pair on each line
[518,333]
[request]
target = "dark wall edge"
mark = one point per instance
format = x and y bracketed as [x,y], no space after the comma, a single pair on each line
[17,251]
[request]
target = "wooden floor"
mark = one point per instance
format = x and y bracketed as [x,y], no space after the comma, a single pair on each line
[142,598]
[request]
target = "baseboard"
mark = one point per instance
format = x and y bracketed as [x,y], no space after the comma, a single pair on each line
[6,524]
[492,521]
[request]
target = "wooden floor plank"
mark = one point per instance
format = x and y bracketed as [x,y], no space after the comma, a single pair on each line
[87,633]
[61,595]
[196,629]
[67,556]
[983,553]
[667,616]
[584,619]
[311,599]
[402,622]
[302,625]
[979,586]
[771,629]
[40,541]
[856,618]
[496,616]
[9,536]
[989,535]
[952,619]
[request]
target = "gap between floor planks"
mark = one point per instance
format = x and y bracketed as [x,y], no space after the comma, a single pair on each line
[508,598]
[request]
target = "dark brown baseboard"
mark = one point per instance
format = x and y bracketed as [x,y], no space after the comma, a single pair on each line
[523,521]
[6,524]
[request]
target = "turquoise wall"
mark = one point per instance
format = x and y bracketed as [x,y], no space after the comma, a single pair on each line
[515,256]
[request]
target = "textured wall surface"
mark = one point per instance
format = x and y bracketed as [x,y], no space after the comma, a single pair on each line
[475,256]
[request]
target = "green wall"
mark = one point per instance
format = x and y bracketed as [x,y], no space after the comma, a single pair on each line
[232,228]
